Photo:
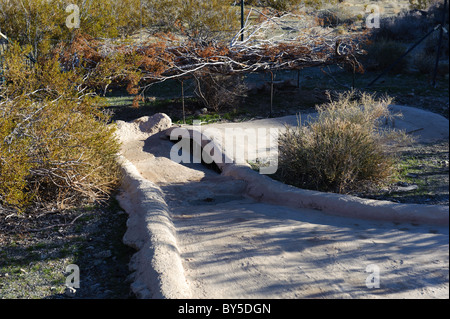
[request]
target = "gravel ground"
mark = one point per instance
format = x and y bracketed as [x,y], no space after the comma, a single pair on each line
[36,248]
[423,176]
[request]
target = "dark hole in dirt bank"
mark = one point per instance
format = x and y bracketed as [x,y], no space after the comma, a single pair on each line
[193,146]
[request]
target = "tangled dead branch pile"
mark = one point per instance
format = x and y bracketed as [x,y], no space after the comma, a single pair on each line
[285,42]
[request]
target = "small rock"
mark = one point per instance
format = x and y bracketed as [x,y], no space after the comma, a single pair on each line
[402,184]
[406,188]
[412,175]
[150,99]
[155,123]
[70,292]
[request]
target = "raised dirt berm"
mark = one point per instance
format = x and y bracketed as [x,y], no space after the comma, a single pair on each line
[239,234]
[422,125]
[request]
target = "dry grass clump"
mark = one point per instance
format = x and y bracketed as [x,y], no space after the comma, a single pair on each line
[343,149]
[336,16]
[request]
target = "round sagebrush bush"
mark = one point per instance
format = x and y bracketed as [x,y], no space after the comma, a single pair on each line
[382,53]
[342,150]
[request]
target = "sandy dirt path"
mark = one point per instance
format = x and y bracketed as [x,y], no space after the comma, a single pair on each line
[232,246]
[244,249]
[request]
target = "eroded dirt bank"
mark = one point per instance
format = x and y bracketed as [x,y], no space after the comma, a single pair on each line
[233,246]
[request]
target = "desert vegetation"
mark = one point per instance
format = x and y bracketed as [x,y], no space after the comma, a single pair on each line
[397,33]
[344,149]
[53,75]
[61,89]
[55,142]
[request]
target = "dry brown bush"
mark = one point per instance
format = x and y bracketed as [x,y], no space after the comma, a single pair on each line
[343,150]
[217,91]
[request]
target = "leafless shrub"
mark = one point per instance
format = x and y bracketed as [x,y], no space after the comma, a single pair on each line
[217,91]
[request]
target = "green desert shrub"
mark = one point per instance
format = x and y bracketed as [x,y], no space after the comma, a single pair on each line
[342,150]
[42,23]
[55,143]
[422,4]
[407,26]
[382,53]
[411,25]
